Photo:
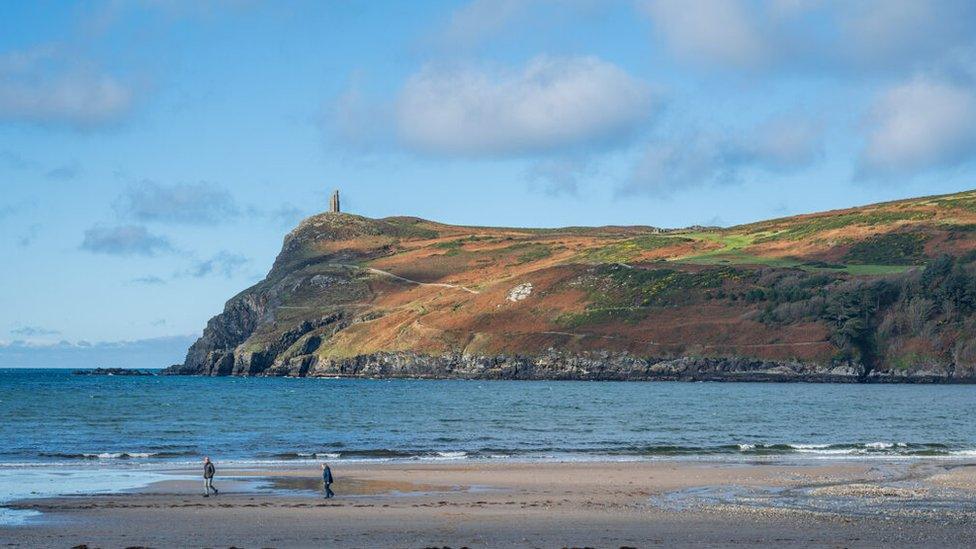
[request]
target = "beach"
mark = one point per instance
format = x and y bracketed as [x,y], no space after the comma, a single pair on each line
[531,504]
[116,461]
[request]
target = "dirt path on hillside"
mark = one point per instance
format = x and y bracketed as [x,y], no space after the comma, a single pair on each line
[409,281]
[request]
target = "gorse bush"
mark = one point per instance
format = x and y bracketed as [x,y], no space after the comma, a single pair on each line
[799,229]
[889,249]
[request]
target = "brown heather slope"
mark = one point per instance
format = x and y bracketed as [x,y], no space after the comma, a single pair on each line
[878,293]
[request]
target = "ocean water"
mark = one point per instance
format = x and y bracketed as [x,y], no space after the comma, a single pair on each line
[53,418]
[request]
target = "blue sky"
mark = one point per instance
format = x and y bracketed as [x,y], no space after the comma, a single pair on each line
[154,153]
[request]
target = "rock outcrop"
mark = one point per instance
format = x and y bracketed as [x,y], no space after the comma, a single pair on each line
[111,372]
[557,366]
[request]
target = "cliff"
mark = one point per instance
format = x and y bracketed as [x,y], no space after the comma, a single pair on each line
[883,293]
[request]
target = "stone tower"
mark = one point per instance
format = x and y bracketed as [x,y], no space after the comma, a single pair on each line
[334,202]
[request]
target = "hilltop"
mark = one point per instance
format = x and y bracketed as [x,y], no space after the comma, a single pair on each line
[885,292]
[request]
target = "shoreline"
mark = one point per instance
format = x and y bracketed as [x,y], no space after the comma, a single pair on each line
[554,365]
[478,503]
[774,453]
[824,376]
[149,465]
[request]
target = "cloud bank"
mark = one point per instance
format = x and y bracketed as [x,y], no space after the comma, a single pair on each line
[144,353]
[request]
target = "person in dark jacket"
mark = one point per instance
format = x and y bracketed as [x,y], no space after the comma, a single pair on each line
[327,481]
[208,475]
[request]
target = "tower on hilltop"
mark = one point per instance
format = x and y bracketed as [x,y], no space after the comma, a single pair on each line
[334,202]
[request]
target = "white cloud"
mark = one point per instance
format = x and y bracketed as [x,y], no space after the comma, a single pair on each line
[920,124]
[782,143]
[42,87]
[717,31]
[549,105]
[829,36]
[904,32]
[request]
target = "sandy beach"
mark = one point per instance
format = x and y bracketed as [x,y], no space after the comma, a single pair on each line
[485,504]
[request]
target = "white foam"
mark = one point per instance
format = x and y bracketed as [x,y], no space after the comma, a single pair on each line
[828,451]
[882,445]
[452,455]
[119,455]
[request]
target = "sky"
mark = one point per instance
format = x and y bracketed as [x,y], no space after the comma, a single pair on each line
[154,153]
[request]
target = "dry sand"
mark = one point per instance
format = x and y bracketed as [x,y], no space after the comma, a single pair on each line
[634,504]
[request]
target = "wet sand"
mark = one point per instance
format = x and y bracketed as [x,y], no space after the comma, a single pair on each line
[480,504]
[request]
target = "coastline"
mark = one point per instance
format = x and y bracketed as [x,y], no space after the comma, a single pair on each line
[483,503]
[553,366]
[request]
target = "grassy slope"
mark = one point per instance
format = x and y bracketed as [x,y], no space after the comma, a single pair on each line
[639,289]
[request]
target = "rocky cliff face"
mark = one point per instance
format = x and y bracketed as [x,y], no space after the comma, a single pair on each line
[554,365]
[403,297]
[557,366]
[213,353]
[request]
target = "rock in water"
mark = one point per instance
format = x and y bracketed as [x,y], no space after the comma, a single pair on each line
[111,372]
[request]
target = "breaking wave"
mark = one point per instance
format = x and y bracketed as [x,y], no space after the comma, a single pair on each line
[114,455]
[852,450]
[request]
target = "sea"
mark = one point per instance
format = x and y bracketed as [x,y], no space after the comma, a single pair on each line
[50,416]
[61,432]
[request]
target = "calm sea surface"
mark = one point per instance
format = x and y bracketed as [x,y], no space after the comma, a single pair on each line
[51,416]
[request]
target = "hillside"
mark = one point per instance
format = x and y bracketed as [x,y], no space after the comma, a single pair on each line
[885,292]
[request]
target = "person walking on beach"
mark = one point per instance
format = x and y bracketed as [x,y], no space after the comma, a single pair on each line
[208,475]
[327,481]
